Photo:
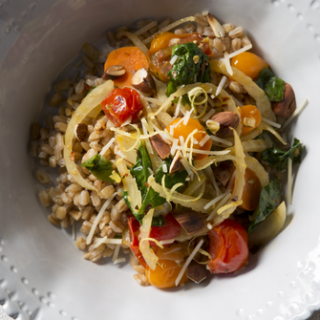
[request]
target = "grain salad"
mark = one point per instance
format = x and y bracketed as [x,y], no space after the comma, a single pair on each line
[170,150]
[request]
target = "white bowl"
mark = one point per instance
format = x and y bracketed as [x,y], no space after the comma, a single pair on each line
[44,275]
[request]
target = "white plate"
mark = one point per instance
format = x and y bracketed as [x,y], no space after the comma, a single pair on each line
[44,275]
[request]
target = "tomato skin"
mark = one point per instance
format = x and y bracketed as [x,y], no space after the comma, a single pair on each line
[170,230]
[252,112]
[165,274]
[120,104]
[249,63]
[228,247]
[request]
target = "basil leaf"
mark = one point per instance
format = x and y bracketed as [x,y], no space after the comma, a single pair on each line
[159,221]
[191,66]
[277,158]
[273,86]
[270,199]
[264,76]
[274,89]
[100,167]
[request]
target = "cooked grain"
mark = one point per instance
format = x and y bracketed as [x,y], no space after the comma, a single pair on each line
[42,176]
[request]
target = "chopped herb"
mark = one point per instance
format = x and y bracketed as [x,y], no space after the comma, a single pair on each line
[270,198]
[273,86]
[277,158]
[185,70]
[100,167]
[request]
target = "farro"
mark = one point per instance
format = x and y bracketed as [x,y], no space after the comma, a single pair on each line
[42,176]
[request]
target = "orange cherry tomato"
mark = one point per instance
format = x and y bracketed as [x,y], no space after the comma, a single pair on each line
[249,63]
[251,191]
[165,274]
[181,130]
[228,247]
[249,112]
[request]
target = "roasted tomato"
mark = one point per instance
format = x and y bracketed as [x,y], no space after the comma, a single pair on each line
[121,104]
[228,247]
[169,230]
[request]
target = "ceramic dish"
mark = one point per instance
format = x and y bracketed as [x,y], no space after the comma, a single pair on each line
[43,276]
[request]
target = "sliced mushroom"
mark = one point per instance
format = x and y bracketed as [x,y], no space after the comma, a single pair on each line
[162,148]
[80,131]
[216,26]
[176,163]
[196,272]
[114,72]
[191,222]
[223,171]
[142,80]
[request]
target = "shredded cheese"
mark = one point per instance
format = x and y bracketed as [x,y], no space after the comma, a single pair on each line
[186,166]
[171,251]
[119,260]
[204,140]
[145,131]
[244,49]
[146,28]
[174,146]
[208,115]
[272,123]
[169,241]
[275,133]
[98,218]
[116,253]
[215,200]
[227,63]
[190,258]
[210,175]
[290,180]
[153,100]
[221,85]
[105,240]
[209,226]
[213,153]
[164,168]
[249,122]
[229,205]
[296,113]
[173,59]
[150,171]
[177,111]
[106,147]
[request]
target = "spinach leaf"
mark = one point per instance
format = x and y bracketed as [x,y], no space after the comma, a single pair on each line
[100,167]
[191,66]
[279,159]
[270,199]
[158,221]
[274,89]
[273,86]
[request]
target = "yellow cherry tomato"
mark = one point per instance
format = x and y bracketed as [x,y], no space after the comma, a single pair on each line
[165,274]
[249,113]
[181,130]
[249,63]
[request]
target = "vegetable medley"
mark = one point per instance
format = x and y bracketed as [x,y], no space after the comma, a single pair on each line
[198,150]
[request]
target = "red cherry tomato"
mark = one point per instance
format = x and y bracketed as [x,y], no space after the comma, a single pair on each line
[169,230]
[121,104]
[228,247]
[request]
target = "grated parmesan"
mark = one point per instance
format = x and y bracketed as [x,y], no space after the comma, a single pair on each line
[153,100]
[116,253]
[204,140]
[214,201]
[146,28]
[145,131]
[272,123]
[177,111]
[297,112]
[174,146]
[119,260]
[209,226]
[208,115]
[221,203]
[164,168]
[210,175]
[244,49]
[221,85]
[150,171]
[212,153]
[173,59]
[185,266]
[107,146]
[186,166]
[169,241]
[98,218]
[171,251]
[99,241]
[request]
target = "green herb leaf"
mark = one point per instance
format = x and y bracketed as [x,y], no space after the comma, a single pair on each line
[270,199]
[100,167]
[273,86]
[158,221]
[274,89]
[279,159]
[185,70]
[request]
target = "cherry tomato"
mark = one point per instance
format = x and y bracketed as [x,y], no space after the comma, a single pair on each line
[249,112]
[134,226]
[169,230]
[251,191]
[249,63]
[185,130]
[228,247]
[165,274]
[121,104]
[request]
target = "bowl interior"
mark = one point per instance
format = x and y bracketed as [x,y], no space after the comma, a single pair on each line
[45,269]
